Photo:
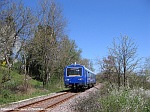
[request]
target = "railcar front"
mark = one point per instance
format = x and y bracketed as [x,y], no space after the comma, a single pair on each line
[74,76]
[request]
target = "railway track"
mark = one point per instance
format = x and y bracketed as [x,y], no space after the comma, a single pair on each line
[45,104]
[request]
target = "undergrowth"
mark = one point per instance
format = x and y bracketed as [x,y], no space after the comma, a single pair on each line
[125,100]
[15,88]
[109,99]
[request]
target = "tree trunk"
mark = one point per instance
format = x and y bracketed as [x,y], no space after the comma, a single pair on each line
[124,71]
[25,74]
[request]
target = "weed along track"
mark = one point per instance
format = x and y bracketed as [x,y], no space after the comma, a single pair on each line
[45,104]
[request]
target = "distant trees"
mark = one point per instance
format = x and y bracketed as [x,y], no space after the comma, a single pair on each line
[68,53]
[122,59]
[87,63]
[107,65]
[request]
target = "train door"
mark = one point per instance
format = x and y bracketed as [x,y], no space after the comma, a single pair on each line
[85,77]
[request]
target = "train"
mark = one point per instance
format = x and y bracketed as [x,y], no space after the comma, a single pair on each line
[78,76]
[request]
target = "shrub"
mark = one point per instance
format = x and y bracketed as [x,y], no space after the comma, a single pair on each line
[125,100]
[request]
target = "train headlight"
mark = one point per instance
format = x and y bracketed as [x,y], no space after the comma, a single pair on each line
[67,79]
[80,79]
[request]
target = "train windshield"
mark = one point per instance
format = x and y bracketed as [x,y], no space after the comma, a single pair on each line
[74,71]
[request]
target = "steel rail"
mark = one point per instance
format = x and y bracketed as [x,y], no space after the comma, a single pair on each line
[47,108]
[33,103]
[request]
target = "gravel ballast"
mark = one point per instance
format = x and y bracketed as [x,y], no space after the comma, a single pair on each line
[69,106]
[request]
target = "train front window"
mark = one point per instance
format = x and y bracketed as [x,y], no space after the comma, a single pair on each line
[74,71]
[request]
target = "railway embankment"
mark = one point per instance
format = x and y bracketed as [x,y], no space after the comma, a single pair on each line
[21,103]
[67,104]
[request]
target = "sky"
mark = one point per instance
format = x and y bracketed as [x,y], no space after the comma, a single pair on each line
[94,23]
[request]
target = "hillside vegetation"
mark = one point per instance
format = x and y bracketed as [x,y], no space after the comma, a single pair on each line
[16,88]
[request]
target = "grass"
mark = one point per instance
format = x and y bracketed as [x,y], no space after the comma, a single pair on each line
[14,90]
[9,97]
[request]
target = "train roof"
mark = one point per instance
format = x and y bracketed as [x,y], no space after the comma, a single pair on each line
[78,65]
[75,65]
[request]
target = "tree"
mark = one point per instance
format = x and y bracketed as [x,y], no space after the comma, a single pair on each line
[109,67]
[124,52]
[68,53]
[3,3]
[16,23]
[87,63]
[147,66]
[45,44]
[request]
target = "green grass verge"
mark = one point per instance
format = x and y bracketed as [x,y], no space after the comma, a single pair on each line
[13,90]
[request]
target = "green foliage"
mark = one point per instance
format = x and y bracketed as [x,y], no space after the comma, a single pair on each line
[17,67]
[136,81]
[14,89]
[134,97]
[35,83]
[146,106]
[47,55]
[4,75]
[124,100]
[56,83]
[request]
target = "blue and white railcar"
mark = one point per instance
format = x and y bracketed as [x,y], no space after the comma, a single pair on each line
[77,75]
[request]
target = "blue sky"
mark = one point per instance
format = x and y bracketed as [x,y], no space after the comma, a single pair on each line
[94,23]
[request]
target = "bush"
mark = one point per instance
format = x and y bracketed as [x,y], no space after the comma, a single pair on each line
[17,67]
[138,81]
[109,99]
[125,100]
